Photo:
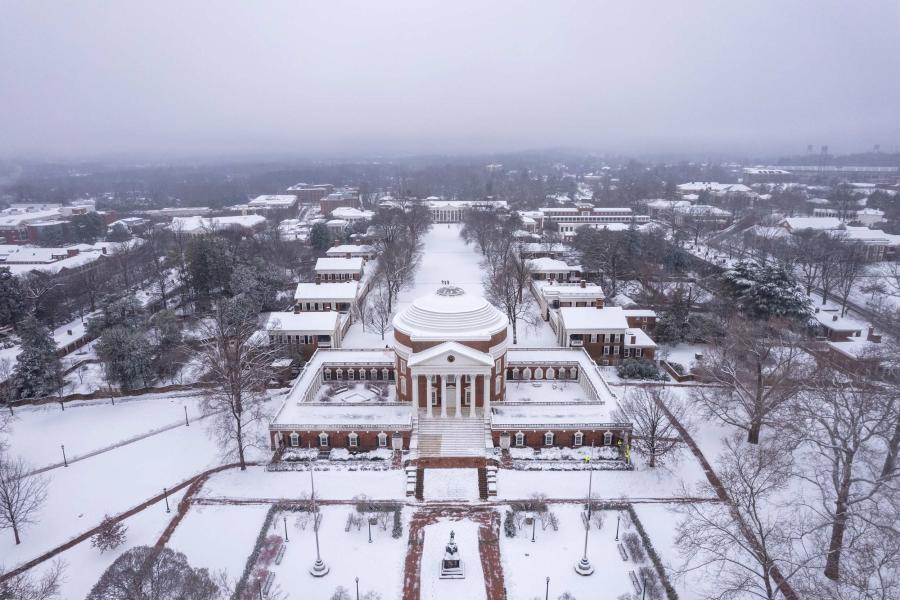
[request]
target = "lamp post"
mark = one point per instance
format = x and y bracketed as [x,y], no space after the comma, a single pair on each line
[643,586]
[285,530]
[65,460]
[186,422]
[547,592]
[369,521]
[618,517]
[533,525]
[357,588]
[166,497]
[319,568]
[584,566]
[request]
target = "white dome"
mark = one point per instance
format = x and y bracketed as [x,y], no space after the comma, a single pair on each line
[450,314]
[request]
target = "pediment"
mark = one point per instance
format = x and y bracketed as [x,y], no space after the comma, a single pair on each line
[451,354]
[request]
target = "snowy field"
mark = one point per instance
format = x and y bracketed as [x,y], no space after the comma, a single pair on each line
[256,482]
[436,537]
[348,554]
[553,554]
[451,484]
[447,257]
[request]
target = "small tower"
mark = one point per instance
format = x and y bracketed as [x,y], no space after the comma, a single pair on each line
[451,565]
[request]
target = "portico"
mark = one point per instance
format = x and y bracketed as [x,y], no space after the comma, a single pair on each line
[451,374]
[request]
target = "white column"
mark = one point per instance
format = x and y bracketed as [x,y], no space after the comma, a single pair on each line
[443,395]
[459,391]
[487,394]
[471,389]
[430,390]
[415,388]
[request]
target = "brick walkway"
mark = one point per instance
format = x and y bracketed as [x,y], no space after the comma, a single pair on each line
[488,547]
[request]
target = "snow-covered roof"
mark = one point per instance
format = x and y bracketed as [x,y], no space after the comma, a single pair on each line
[641,339]
[832,319]
[663,204]
[640,312]
[307,322]
[580,318]
[554,290]
[194,225]
[274,200]
[547,264]
[351,214]
[530,416]
[314,416]
[819,223]
[339,291]
[335,264]
[450,314]
[350,249]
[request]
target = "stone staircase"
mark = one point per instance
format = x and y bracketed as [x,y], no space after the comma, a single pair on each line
[438,437]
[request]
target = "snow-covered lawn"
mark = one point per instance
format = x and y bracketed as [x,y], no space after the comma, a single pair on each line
[256,482]
[84,564]
[644,482]
[348,554]
[553,554]
[683,354]
[661,524]
[436,537]
[451,484]
[38,431]
[219,538]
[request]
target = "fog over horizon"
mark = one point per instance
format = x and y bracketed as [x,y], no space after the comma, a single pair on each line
[183,78]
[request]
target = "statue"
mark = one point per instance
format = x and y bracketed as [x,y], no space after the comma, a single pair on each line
[451,565]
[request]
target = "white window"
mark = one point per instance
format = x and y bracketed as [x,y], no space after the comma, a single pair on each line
[593,338]
[295,439]
[402,366]
[499,365]
[351,374]
[551,374]
[615,350]
[627,352]
[384,374]
[323,440]
[498,383]
[520,439]
[373,374]
[573,373]
[607,438]
[526,374]
[468,398]
[382,440]
[539,373]
[403,386]
[579,439]
[548,438]
[433,396]
[515,373]
[605,350]
[353,440]
[339,374]
[327,374]
[638,352]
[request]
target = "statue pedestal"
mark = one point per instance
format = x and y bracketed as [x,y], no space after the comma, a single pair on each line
[452,566]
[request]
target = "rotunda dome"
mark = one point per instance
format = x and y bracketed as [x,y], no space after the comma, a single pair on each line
[450,314]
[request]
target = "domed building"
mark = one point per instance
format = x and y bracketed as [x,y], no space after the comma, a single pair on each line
[450,350]
[450,385]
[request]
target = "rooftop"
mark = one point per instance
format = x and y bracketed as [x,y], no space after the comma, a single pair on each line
[313,322]
[338,290]
[450,314]
[331,263]
[609,318]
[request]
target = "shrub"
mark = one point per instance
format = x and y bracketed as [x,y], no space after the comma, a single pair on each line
[640,369]
[634,546]
[509,524]
[111,535]
[397,532]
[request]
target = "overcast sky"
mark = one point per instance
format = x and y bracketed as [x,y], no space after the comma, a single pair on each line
[160,78]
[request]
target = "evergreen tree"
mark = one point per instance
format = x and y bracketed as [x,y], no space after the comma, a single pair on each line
[765,291]
[38,371]
[127,357]
[12,300]
[110,535]
[319,238]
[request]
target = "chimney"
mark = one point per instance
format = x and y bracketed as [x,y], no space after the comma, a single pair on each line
[834,317]
[583,283]
[817,310]
[872,336]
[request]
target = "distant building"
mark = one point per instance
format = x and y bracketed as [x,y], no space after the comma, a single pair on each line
[339,269]
[308,194]
[341,197]
[604,333]
[198,226]
[452,211]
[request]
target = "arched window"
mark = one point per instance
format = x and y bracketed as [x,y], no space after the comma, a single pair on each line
[339,374]
[539,373]
[403,386]
[295,439]
[323,440]
[579,439]
[573,373]
[498,384]
[382,440]
[353,440]
[384,374]
[351,374]
[362,374]
[526,374]
[607,438]
[548,438]
[373,374]
[515,373]
[520,439]
[551,374]
[327,374]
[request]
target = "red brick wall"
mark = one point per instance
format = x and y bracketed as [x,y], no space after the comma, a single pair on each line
[534,438]
[368,440]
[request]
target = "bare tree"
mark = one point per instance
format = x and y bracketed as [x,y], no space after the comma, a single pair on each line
[756,367]
[378,311]
[849,267]
[654,434]
[238,359]
[843,426]
[21,495]
[504,284]
[146,573]
[746,542]
[25,587]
